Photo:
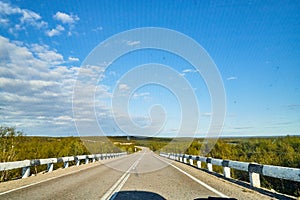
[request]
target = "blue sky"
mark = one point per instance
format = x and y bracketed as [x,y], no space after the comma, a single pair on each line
[254,44]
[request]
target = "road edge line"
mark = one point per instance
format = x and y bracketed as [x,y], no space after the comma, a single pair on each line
[197,180]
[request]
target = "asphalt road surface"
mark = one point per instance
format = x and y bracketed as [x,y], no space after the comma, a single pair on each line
[143,175]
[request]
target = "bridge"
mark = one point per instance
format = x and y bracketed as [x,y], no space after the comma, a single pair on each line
[142,175]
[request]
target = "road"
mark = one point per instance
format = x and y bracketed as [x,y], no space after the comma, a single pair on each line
[143,175]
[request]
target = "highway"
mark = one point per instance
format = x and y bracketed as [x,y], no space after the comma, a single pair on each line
[143,175]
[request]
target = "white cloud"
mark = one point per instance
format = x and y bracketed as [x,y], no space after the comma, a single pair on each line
[98,29]
[92,73]
[36,92]
[64,118]
[185,71]
[188,71]
[28,88]
[65,18]
[207,114]
[132,43]
[34,84]
[73,59]
[231,78]
[29,16]
[123,87]
[142,94]
[4,22]
[49,56]
[26,17]
[6,9]
[56,31]
[112,73]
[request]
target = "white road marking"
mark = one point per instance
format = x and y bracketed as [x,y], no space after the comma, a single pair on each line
[195,179]
[111,193]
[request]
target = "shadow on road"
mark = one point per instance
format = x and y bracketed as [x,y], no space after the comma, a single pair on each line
[135,195]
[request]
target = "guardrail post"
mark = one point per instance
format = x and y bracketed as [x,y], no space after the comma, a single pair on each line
[226,169]
[25,172]
[77,162]
[86,160]
[209,165]
[254,179]
[49,167]
[184,159]
[191,160]
[226,172]
[180,159]
[66,164]
[254,174]
[199,164]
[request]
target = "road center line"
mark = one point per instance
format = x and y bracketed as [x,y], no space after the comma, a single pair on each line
[110,194]
[195,179]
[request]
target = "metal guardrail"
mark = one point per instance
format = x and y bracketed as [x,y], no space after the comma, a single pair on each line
[26,164]
[254,169]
